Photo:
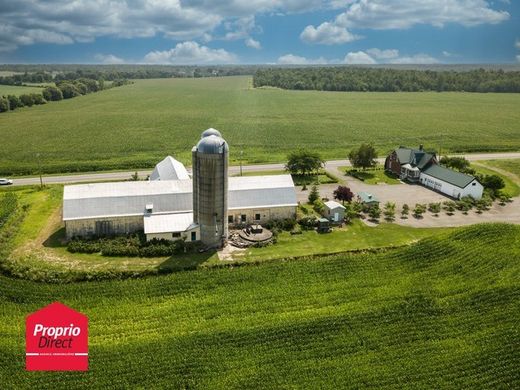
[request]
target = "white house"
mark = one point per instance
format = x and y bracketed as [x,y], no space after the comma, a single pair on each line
[334,211]
[452,183]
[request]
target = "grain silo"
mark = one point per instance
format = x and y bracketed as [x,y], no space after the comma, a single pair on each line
[210,188]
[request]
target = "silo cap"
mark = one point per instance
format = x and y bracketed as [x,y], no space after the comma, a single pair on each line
[210,131]
[212,145]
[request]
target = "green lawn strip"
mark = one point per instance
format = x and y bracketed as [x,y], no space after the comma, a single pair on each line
[511,188]
[299,180]
[441,313]
[372,176]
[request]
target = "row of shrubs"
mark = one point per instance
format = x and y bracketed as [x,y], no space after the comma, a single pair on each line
[134,245]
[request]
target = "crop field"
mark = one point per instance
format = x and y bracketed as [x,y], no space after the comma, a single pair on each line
[511,180]
[15,90]
[137,125]
[442,313]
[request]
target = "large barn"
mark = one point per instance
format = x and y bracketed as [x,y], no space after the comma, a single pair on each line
[171,205]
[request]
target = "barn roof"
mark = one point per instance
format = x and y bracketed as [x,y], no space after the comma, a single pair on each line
[168,223]
[450,176]
[169,169]
[87,201]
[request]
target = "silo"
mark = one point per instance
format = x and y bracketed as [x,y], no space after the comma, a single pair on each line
[210,187]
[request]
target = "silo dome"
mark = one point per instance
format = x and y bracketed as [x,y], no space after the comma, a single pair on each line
[210,131]
[212,144]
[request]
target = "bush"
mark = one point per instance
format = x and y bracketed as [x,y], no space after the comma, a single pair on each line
[405,211]
[318,206]
[419,210]
[68,90]
[14,102]
[434,208]
[52,94]
[308,223]
[38,98]
[4,104]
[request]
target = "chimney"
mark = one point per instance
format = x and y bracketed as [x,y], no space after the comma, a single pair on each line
[421,147]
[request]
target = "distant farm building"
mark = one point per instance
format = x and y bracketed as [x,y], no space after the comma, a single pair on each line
[418,166]
[172,206]
[367,199]
[334,211]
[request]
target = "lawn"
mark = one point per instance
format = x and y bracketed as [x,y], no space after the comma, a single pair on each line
[442,313]
[17,90]
[137,125]
[512,187]
[372,176]
[299,180]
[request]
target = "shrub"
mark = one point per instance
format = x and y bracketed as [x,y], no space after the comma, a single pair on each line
[389,211]
[38,98]
[308,223]
[14,102]
[405,211]
[434,208]
[52,94]
[4,104]
[419,210]
[314,194]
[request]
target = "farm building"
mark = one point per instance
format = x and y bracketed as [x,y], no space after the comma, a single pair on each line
[368,199]
[418,166]
[334,211]
[195,209]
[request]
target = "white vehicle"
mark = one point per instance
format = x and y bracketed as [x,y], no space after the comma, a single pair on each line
[5,182]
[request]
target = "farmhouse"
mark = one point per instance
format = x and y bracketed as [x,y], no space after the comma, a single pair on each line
[418,166]
[172,206]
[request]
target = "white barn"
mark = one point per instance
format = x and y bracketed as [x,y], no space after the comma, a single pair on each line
[452,183]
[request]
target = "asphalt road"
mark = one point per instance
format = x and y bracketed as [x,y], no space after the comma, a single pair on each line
[233,170]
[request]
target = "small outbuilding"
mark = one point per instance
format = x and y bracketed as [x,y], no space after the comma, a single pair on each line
[368,199]
[334,211]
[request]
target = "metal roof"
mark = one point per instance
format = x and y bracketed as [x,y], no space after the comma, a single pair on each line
[367,197]
[169,169]
[168,223]
[87,201]
[450,176]
[212,144]
[415,157]
[210,131]
[331,205]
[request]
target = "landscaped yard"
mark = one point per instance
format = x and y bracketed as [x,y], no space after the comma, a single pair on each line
[511,188]
[299,180]
[371,176]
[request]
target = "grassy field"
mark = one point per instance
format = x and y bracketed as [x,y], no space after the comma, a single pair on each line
[512,166]
[137,125]
[15,90]
[373,176]
[443,313]
[512,185]
[299,180]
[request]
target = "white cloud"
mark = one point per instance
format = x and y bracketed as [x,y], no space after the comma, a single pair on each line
[517,44]
[383,54]
[415,59]
[359,58]
[518,58]
[447,54]
[109,59]
[190,52]
[254,44]
[383,14]
[327,34]
[290,59]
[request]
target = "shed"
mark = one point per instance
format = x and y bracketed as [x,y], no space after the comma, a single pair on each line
[334,211]
[368,199]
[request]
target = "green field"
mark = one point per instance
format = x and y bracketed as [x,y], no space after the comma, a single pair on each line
[137,125]
[15,90]
[443,313]
[512,184]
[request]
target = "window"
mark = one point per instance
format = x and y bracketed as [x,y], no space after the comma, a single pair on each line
[176,235]
[193,236]
[230,219]
[257,217]
[473,184]
[243,218]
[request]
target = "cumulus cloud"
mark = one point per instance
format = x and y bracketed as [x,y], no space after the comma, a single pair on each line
[290,59]
[383,54]
[109,59]
[415,59]
[327,34]
[382,15]
[190,52]
[359,58]
[254,44]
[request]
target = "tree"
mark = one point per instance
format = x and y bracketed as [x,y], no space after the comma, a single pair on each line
[69,90]
[434,208]
[458,163]
[27,100]
[351,212]
[405,211]
[419,210]
[303,162]
[493,182]
[374,212]
[14,102]
[52,94]
[449,206]
[344,194]
[389,211]
[4,104]
[314,194]
[364,157]
[38,98]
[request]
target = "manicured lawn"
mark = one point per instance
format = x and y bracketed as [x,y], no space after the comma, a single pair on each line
[138,125]
[299,180]
[372,176]
[511,188]
[440,314]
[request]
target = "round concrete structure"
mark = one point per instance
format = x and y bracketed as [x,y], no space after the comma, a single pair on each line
[210,188]
[210,131]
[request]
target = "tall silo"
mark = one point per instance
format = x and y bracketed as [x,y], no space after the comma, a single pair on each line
[210,187]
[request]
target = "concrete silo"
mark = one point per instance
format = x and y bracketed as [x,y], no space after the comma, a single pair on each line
[210,188]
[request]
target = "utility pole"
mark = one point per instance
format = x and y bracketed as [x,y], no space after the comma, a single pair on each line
[40,170]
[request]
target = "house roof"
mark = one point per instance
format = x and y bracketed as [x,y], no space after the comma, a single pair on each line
[88,201]
[450,176]
[331,205]
[414,157]
[169,169]
[168,223]
[367,197]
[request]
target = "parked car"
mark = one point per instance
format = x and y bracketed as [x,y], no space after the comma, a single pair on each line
[5,182]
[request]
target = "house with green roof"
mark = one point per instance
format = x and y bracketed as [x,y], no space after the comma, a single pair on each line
[419,166]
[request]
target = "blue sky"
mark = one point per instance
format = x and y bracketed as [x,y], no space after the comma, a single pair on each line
[259,31]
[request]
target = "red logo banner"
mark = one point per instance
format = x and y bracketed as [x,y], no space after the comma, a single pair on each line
[56,339]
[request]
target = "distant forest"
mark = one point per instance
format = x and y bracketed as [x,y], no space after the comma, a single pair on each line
[366,79]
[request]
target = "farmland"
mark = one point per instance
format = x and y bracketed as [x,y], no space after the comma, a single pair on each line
[442,313]
[17,91]
[137,125]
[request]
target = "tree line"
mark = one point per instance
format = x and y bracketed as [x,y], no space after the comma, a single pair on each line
[365,79]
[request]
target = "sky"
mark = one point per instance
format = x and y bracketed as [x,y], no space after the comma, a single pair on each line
[204,32]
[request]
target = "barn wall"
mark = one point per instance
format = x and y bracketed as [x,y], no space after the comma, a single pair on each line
[475,191]
[169,236]
[266,214]
[117,225]
[449,189]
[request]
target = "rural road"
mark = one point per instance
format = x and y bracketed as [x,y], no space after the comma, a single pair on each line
[233,170]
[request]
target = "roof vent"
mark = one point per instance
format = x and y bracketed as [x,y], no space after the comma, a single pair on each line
[149,208]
